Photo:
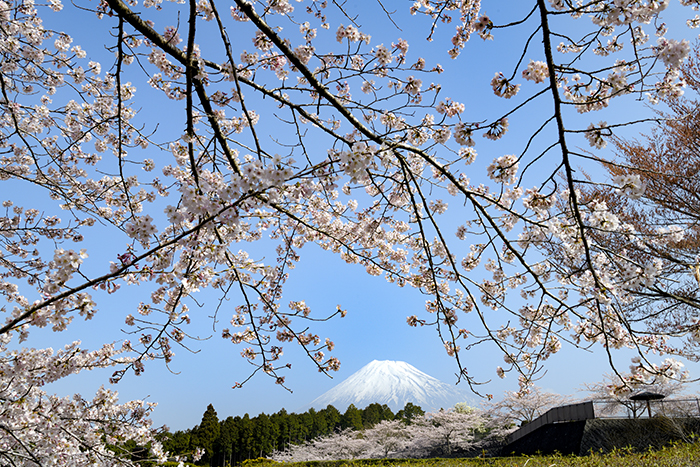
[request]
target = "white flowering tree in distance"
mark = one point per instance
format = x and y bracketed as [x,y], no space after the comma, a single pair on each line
[446,432]
[518,407]
[288,123]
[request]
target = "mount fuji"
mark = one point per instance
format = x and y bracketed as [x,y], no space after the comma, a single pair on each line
[391,383]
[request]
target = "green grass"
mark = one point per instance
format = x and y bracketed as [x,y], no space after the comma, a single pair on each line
[681,454]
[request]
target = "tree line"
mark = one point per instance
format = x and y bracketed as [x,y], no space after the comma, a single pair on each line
[234,439]
[462,431]
[376,431]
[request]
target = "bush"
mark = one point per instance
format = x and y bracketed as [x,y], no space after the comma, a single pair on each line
[259,462]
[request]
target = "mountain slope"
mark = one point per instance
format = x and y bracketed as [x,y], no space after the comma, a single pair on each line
[391,383]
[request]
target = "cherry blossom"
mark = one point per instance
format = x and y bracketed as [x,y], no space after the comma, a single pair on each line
[595,134]
[502,87]
[436,433]
[270,146]
[50,430]
[630,185]
[536,71]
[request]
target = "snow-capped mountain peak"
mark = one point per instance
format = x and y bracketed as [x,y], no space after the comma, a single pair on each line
[392,383]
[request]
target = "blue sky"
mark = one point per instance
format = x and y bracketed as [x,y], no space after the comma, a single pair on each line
[375,326]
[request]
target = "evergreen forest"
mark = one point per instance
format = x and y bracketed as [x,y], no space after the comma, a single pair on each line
[235,439]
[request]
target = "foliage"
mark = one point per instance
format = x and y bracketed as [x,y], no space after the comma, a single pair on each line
[375,413]
[177,443]
[240,439]
[409,412]
[352,418]
[259,462]
[360,158]
[206,434]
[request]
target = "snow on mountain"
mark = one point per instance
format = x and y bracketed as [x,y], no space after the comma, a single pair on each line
[391,383]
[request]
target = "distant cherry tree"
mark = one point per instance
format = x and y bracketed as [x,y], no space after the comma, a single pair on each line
[443,432]
[345,444]
[517,407]
[433,434]
[388,436]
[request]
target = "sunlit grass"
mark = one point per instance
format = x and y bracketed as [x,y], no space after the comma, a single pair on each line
[680,454]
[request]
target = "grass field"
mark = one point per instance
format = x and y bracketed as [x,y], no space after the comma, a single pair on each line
[681,454]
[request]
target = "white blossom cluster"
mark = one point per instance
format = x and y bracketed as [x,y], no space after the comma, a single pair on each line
[672,52]
[50,430]
[630,185]
[595,134]
[357,160]
[536,71]
[502,87]
[433,434]
[504,169]
[641,375]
